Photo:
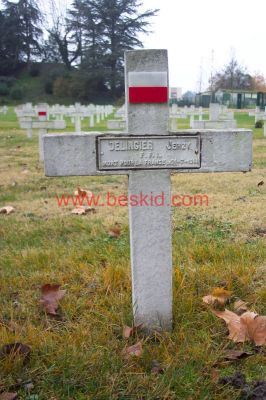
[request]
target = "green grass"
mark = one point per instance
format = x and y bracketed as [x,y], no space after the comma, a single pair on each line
[79,357]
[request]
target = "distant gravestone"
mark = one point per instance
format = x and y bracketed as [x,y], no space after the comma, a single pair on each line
[115,124]
[26,113]
[43,125]
[148,153]
[257,113]
[214,112]
[217,119]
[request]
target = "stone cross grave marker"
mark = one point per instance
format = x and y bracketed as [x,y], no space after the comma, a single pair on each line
[258,114]
[25,114]
[43,125]
[148,154]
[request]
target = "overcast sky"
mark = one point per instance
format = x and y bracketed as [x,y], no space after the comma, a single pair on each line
[208,32]
[202,35]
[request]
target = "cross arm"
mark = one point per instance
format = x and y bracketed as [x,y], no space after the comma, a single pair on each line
[76,154]
[49,124]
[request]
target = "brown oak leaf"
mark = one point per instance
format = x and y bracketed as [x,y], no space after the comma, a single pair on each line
[7,210]
[8,396]
[115,231]
[15,349]
[130,330]
[248,326]
[83,192]
[82,210]
[134,351]
[255,326]
[236,354]
[240,307]
[51,295]
[236,331]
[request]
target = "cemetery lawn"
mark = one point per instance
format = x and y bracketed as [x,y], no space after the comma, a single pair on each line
[79,354]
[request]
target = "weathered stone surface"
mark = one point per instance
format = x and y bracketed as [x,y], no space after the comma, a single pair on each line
[75,154]
[154,118]
[116,124]
[149,152]
[151,253]
[222,124]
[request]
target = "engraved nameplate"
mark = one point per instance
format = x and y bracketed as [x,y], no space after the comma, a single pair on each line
[148,152]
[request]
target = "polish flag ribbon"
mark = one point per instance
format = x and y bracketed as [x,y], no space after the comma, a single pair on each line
[147,87]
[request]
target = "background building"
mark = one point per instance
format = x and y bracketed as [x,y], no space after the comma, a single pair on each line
[232,98]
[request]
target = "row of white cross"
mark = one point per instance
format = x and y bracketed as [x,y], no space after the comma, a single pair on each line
[3,110]
[76,112]
[219,117]
[38,117]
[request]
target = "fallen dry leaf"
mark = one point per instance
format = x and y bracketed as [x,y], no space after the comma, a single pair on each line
[156,368]
[261,232]
[134,351]
[51,295]
[8,396]
[130,330]
[16,350]
[236,354]
[82,210]
[240,307]
[7,210]
[248,326]
[214,375]
[236,332]
[115,232]
[83,193]
[219,295]
[256,327]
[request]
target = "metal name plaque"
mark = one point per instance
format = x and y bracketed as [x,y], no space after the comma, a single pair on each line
[148,152]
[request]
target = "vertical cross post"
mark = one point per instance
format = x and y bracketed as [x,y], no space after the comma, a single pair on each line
[150,225]
[42,131]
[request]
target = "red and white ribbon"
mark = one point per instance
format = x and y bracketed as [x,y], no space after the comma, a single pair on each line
[147,87]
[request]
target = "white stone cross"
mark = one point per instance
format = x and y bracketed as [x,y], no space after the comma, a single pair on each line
[57,111]
[43,125]
[25,115]
[148,153]
[257,113]
[217,120]
[3,110]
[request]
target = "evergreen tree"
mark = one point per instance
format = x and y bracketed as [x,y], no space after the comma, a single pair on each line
[122,24]
[20,32]
[87,25]
[106,29]
[50,51]
[11,40]
[31,20]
